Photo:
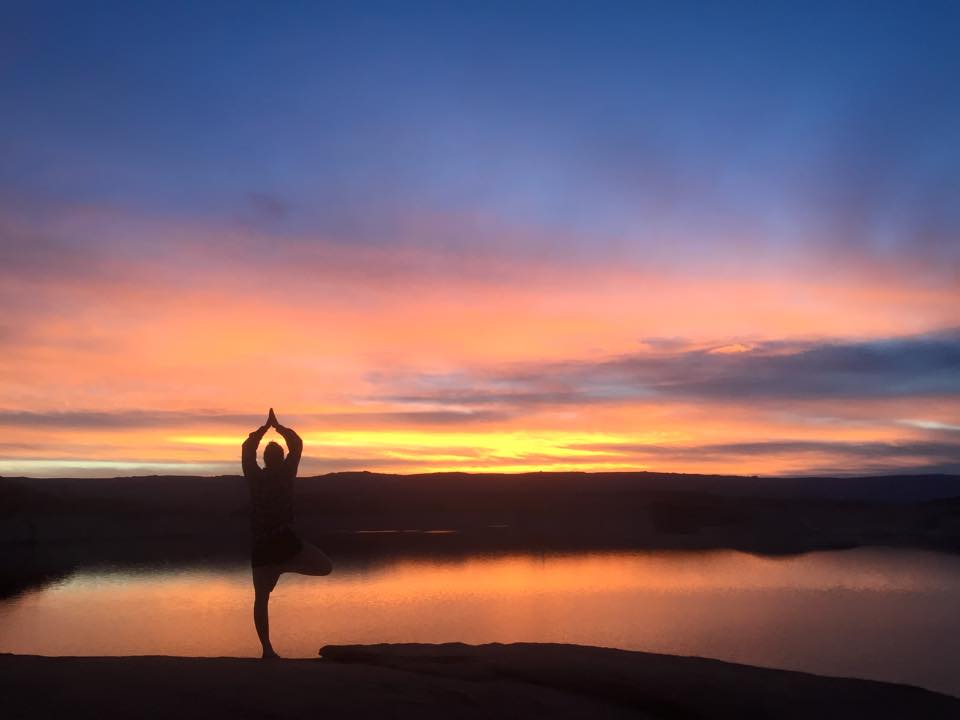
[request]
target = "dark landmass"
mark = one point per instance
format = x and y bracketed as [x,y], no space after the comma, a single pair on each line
[49,527]
[554,509]
[447,681]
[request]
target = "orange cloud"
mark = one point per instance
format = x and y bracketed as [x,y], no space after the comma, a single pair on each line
[239,322]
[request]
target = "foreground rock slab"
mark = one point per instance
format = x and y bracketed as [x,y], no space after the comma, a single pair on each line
[445,681]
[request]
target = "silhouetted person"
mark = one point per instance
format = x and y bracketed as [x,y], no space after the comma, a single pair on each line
[276,547]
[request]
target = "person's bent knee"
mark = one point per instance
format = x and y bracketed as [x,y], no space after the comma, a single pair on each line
[317,569]
[264,582]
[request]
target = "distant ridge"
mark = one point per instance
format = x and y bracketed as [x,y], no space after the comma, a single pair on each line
[913,487]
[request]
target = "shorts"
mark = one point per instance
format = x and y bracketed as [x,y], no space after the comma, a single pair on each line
[276,548]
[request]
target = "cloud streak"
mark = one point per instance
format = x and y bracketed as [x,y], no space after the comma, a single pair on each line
[904,367]
[157,419]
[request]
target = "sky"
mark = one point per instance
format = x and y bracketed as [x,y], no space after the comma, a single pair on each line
[481,236]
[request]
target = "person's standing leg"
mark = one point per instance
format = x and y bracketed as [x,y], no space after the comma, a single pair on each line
[264,581]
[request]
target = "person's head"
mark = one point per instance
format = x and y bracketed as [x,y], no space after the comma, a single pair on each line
[272,455]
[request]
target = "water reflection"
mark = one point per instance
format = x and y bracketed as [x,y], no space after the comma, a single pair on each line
[878,613]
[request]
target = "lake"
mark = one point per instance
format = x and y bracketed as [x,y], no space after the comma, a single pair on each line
[884,614]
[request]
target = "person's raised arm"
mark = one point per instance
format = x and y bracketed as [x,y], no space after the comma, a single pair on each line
[248,454]
[294,443]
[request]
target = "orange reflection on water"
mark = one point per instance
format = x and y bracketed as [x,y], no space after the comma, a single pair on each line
[876,613]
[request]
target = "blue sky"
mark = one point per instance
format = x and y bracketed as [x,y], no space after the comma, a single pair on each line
[626,122]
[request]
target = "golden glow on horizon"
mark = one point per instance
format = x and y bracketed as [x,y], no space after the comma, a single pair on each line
[540,440]
[501,444]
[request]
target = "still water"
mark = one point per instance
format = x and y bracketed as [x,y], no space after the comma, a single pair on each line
[874,613]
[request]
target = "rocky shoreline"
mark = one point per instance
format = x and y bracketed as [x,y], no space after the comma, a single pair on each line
[446,681]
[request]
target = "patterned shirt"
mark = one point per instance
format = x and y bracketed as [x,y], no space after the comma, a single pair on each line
[271,489]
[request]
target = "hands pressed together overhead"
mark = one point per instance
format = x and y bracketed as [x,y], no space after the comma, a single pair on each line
[288,433]
[272,422]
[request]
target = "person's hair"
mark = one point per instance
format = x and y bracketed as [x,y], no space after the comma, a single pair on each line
[272,454]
